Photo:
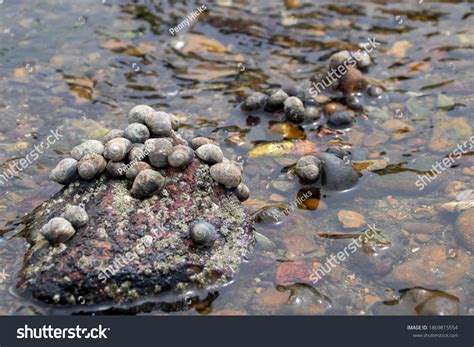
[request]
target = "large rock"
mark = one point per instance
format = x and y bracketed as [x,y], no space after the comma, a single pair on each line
[132,248]
[336,174]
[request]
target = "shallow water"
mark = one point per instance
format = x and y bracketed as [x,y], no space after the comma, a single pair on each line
[80,66]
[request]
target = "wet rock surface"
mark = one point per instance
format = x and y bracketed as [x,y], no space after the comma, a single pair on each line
[133,248]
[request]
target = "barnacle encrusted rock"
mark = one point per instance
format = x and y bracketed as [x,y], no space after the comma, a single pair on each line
[134,248]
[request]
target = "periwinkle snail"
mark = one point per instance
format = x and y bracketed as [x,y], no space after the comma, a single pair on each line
[203,233]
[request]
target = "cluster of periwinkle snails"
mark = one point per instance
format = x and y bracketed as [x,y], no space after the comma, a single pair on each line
[149,142]
[300,106]
[61,229]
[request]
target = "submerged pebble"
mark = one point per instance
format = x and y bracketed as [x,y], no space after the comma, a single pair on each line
[294,109]
[87,147]
[58,230]
[338,59]
[65,172]
[91,166]
[137,133]
[254,102]
[210,153]
[203,233]
[341,120]
[147,183]
[294,90]
[180,156]
[76,215]
[336,173]
[227,174]
[117,149]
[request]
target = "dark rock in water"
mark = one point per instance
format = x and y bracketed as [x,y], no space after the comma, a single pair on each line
[294,109]
[276,101]
[294,90]
[336,174]
[341,120]
[132,249]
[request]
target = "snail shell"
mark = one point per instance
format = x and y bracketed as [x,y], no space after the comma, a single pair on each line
[147,183]
[65,172]
[294,109]
[116,169]
[227,174]
[159,124]
[87,147]
[242,192]
[200,141]
[58,230]
[210,153]
[139,113]
[137,153]
[137,133]
[158,151]
[91,165]
[203,233]
[308,168]
[112,134]
[180,156]
[135,169]
[117,149]
[174,122]
[76,215]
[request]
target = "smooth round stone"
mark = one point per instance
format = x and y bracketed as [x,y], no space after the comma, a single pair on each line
[76,215]
[199,141]
[270,215]
[336,174]
[87,147]
[354,102]
[312,113]
[210,153]
[181,156]
[276,101]
[294,109]
[117,149]
[308,168]
[147,183]
[352,81]
[113,134]
[137,133]
[139,114]
[58,230]
[203,233]
[91,166]
[136,168]
[338,59]
[159,124]
[227,174]
[254,102]
[341,120]
[242,192]
[375,91]
[65,172]
[158,151]
[116,169]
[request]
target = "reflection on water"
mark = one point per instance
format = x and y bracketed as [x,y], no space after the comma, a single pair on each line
[82,66]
